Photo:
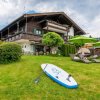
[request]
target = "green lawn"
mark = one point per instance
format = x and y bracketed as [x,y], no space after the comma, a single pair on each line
[16,80]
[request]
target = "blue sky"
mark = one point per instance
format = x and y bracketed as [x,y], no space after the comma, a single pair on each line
[84,12]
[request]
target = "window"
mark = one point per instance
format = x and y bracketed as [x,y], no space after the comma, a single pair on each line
[37,31]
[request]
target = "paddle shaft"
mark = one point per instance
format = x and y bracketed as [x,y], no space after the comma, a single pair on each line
[38,78]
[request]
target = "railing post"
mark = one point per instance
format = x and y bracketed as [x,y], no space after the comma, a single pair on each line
[17,26]
[26,24]
[1,35]
[8,31]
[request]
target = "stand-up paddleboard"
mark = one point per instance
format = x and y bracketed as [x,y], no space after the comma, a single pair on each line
[59,75]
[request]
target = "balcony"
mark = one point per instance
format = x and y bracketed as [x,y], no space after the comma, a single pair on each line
[31,37]
[56,27]
[26,36]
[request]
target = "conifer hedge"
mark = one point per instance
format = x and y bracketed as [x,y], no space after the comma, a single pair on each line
[67,49]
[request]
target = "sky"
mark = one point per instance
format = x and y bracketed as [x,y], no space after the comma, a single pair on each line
[84,12]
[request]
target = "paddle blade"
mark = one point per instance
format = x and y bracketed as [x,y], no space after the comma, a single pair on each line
[37,80]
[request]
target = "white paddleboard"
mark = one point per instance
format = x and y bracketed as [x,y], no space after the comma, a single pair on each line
[59,75]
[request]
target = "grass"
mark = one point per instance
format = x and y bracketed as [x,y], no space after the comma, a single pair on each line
[17,80]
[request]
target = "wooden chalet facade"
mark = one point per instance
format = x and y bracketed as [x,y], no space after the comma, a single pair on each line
[28,30]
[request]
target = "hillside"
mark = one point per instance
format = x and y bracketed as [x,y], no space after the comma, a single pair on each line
[17,80]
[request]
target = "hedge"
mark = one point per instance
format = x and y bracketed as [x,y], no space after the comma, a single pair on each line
[10,52]
[67,49]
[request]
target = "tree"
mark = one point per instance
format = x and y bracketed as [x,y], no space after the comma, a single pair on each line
[53,40]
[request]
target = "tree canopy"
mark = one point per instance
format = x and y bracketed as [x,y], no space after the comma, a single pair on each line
[52,39]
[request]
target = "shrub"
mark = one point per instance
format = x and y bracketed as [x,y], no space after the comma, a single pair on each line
[67,49]
[10,52]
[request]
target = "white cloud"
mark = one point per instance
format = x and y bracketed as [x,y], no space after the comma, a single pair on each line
[94,28]
[11,9]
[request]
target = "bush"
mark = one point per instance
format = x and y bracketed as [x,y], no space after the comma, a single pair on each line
[10,52]
[67,49]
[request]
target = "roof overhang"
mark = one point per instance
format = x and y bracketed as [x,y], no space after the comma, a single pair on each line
[46,14]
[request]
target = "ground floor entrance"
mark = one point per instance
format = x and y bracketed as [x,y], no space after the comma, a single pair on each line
[29,47]
[41,49]
[35,49]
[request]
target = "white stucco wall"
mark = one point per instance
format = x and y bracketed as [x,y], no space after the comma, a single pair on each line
[71,31]
[26,47]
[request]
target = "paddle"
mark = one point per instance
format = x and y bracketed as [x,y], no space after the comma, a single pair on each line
[38,78]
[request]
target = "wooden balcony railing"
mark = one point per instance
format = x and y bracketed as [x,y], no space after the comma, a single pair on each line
[32,37]
[53,26]
[28,36]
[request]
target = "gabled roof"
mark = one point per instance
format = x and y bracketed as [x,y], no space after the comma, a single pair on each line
[46,14]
